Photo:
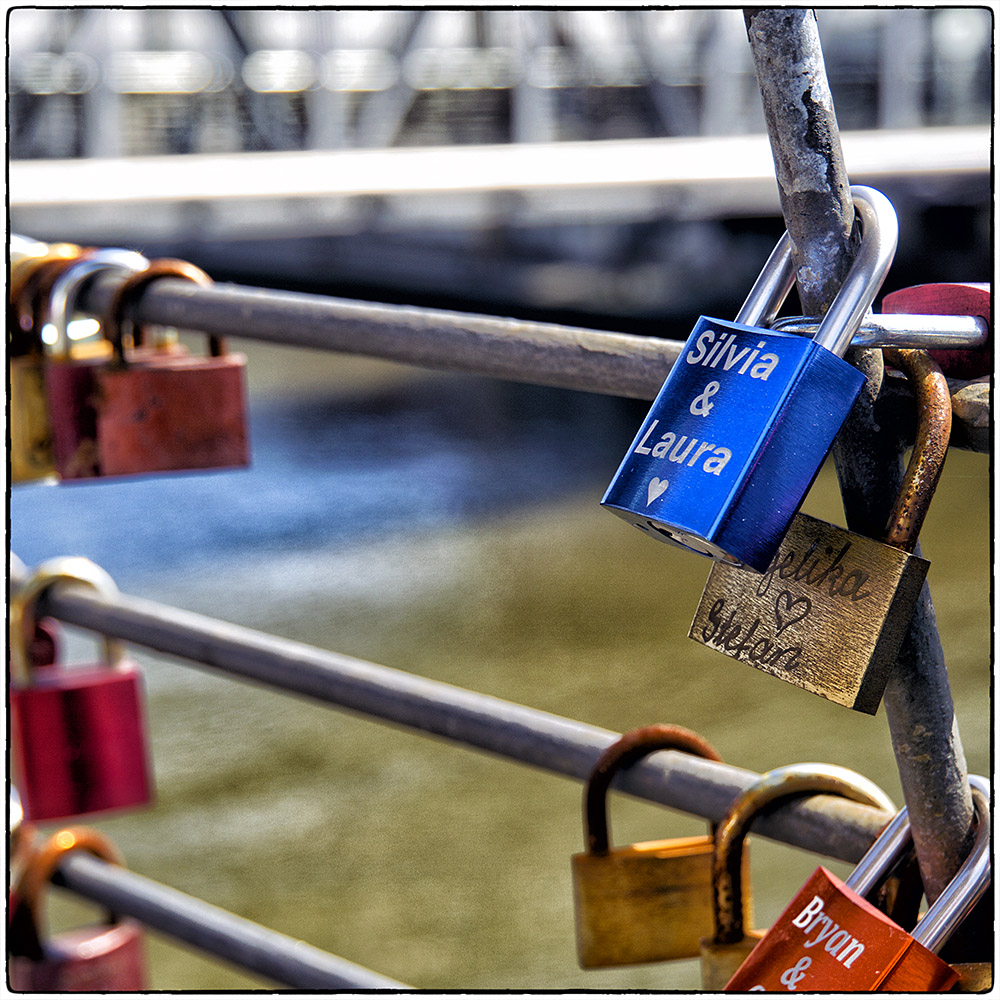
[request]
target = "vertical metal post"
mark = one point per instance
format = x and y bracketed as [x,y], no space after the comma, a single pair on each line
[815,200]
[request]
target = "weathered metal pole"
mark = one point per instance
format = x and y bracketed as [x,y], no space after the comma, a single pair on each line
[805,142]
[815,196]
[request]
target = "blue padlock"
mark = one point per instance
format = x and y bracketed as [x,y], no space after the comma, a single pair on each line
[747,415]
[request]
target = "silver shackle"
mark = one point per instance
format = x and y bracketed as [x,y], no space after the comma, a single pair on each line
[961,894]
[879,237]
[62,298]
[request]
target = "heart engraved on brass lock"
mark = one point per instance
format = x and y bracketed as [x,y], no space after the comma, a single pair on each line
[731,942]
[831,611]
[648,902]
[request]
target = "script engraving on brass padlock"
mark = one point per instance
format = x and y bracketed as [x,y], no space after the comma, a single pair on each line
[828,614]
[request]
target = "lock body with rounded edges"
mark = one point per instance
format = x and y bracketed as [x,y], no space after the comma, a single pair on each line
[831,939]
[747,415]
[645,902]
[830,612]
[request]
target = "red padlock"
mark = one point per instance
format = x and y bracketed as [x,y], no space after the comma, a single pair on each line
[831,939]
[70,368]
[949,299]
[168,411]
[78,736]
[94,959]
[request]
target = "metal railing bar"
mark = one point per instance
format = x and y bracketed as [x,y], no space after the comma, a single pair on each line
[824,824]
[258,949]
[522,350]
[551,354]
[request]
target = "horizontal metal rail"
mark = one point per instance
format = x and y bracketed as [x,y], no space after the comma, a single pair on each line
[822,824]
[257,949]
[568,357]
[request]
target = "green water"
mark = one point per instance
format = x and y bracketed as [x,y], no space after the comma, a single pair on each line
[448,868]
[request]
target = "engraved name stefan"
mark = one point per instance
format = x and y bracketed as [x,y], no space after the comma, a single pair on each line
[775,608]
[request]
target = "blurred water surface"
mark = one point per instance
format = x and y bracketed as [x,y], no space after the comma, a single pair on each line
[448,526]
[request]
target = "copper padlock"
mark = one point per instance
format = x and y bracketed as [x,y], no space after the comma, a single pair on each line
[78,736]
[647,902]
[831,939]
[168,411]
[830,612]
[730,944]
[106,958]
[949,298]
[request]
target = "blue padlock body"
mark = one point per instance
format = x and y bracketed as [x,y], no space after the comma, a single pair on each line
[734,440]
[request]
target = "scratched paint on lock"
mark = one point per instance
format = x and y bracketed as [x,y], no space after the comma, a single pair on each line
[706,425]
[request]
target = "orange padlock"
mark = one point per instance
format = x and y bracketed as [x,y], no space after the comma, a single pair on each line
[104,958]
[831,939]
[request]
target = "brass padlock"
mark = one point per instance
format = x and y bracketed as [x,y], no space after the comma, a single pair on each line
[973,977]
[30,429]
[731,943]
[831,610]
[647,902]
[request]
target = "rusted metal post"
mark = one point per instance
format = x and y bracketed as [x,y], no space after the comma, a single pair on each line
[805,142]
[812,179]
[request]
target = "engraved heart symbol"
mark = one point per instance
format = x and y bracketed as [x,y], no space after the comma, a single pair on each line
[790,618]
[655,488]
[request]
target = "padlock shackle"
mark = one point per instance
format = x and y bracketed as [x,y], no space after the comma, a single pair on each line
[31,278]
[627,750]
[879,237]
[27,916]
[771,787]
[23,608]
[969,884]
[962,892]
[132,288]
[930,449]
[64,292]
[772,286]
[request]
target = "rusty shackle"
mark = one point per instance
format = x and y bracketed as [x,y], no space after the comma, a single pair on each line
[25,930]
[129,291]
[929,449]
[631,747]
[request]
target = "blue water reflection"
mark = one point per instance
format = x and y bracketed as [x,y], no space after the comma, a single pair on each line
[330,473]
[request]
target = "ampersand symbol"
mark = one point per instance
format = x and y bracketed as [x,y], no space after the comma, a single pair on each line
[791,977]
[700,405]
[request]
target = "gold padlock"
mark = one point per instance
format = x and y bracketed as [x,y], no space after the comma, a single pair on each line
[646,902]
[30,428]
[730,944]
[830,612]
